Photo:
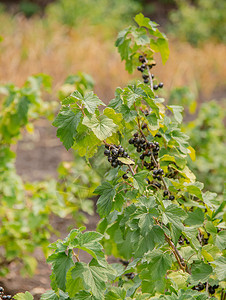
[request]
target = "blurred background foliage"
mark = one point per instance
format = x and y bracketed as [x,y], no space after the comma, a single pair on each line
[64,37]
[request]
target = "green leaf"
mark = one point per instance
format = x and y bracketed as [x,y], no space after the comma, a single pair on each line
[163,49]
[220,268]
[83,295]
[195,218]
[89,100]
[139,181]
[91,278]
[61,264]
[175,215]
[126,161]
[145,223]
[145,22]
[177,111]
[104,203]
[89,242]
[51,295]
[102,126]
[194,190]
[221,240]
[200,272]
[67,122]
[23,296]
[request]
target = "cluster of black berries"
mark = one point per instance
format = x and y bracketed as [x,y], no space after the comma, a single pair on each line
[204,241]
[201,286]
[156,86]
[3,296]
[167,193]
[182,240]
[113,152]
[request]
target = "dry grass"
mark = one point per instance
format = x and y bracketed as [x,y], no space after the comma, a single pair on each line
[31,46]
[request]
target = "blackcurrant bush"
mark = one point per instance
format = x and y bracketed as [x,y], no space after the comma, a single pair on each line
[155,87]
[136,134]
[146,80]
[125,176]
[107,152]
[160,85]
[165,193]
[171,197]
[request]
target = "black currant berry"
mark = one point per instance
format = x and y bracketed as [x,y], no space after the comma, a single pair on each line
[155,87]
[171,197]
[144,76]
[155,172]
[142,156]
[146,112]
[143,66]
[141,59]
[136,134]
[139,68]
[125,154]
[139,149]
[110,158]
[131,141]
[161,85]
[156,143]
[107,146]
[114,164]
[120,151]
[146,80]
[144,126]
[160,172]
[125,176]
[114,152]
[130,275]
[145,163]
[165,193]
[158,185]
[107,152]
[211,290]
[142,140]
[1,289]
[159,177]
[152,76]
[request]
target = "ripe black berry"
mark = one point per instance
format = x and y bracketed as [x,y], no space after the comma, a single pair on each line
[159,177]
[114,152]
[155,87]
[152,76]
[155,172]
[107,152]
[161,85]
[125,154]
[144,126]
[142,140]
[211,290]
[165,193]
[142,156]
[156,143]
[158,184]
[131,141]
[114,164]
[130,275]
[146,112]
[110,159]
[125,176]
[143,66]
[171,197]
[120,151]
[141,59]
[160,172]
[144,76]
[136,134]
[139,149]
[146,80]
[107,146]
[139,68]
[1,289]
